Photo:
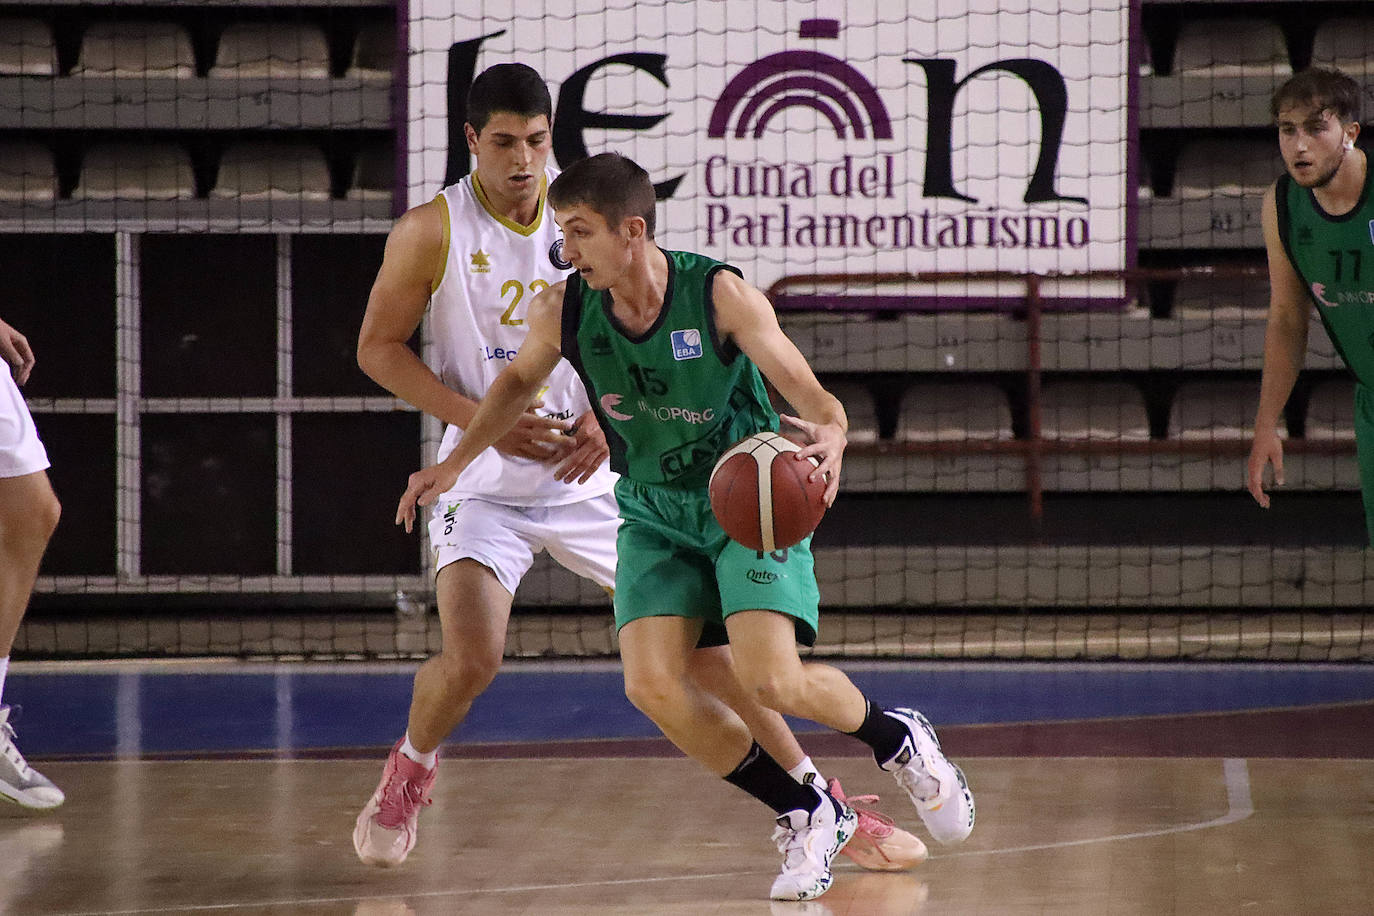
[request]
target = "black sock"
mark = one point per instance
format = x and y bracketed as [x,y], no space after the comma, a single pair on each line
[765,779]
[881,732]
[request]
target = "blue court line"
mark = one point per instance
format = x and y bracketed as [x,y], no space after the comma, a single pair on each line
[244,707]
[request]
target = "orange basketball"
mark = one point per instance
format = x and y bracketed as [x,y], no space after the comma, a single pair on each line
[760,493]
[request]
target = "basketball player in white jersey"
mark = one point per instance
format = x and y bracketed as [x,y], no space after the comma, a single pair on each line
[28,517]
[475,256]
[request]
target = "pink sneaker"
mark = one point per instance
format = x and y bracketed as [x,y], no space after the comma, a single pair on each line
[385,832]
[878,844]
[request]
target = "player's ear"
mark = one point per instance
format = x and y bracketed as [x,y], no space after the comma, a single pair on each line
[470,133]
[635,227]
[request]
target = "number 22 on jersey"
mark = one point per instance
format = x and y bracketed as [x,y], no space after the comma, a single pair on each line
[516,291]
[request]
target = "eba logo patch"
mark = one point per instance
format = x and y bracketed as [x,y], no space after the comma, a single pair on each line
[556,256]
[1371,232]
[686,344]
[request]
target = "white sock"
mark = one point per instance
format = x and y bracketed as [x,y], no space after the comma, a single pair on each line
[4,667]
[804,769]
[425,760]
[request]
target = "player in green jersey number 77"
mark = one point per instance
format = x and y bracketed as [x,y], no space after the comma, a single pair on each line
[1318,223]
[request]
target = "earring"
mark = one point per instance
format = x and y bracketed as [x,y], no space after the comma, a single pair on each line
[1349,144]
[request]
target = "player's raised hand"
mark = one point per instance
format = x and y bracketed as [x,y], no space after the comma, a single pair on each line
[1267,450]
[15,351]
[423,488]
[588,452]
[536,437]
[826,444]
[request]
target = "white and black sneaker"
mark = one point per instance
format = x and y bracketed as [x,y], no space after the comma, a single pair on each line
[809,842]
[936,786]
[19,782]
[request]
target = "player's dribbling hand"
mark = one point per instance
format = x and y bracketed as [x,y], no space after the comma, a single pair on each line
[423,488]
[827,444]
[1268,449]
[588,452]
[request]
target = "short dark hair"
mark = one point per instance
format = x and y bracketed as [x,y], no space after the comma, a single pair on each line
[1322,88]
[611,184]
[515,88]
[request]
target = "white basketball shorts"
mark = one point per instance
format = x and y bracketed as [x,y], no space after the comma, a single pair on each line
[21,451]
[580,536]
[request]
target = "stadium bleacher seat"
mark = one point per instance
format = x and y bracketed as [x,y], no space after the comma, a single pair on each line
[1240,167]
[1346,43]
[1214,409]
[374,174]
[273,169]
[135,171]
[1079,409]
[27,174]
[1331,410]
[1233,46]
[859,407]
[26,48]
[953,411]
[374,53]
[135,49]
[272,50]
[1202,297]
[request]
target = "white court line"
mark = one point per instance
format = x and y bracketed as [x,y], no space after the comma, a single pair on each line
[1239,805]
[1235,772]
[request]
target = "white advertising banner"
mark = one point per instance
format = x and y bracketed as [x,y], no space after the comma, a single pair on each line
[793,138]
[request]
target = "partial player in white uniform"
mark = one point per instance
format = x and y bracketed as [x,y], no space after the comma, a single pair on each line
[28,517]
[476,256]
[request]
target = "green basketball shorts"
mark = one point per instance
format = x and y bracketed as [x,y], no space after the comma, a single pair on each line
[673,559]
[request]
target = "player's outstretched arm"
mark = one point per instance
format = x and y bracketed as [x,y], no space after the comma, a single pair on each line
[1285,347]
[746,316]
[502,407]
[15,350]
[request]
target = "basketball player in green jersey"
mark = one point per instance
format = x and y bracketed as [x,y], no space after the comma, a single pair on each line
[1319,236]
[670,346]
[538,489]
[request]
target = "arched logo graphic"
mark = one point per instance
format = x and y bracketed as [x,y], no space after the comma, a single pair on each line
[609,402]
[771,85]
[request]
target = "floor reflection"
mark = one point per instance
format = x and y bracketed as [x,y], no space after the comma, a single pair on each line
[23,846]
[862,894]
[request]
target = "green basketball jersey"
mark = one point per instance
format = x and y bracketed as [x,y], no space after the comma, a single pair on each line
[673,398]
[1334,257]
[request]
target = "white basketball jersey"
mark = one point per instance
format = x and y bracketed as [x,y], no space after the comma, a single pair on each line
[492,271]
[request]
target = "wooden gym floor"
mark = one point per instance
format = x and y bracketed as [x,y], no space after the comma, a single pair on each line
[1259,811]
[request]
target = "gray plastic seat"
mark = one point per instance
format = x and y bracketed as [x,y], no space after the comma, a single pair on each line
[1346,43]
[272,50]
[26,48]
[1092,409]
[1233,46]
[953,411]
[1331,410]
[1236,167]
[27,172]
[135,49]
[1214,409]
[273,169]
[135,171]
